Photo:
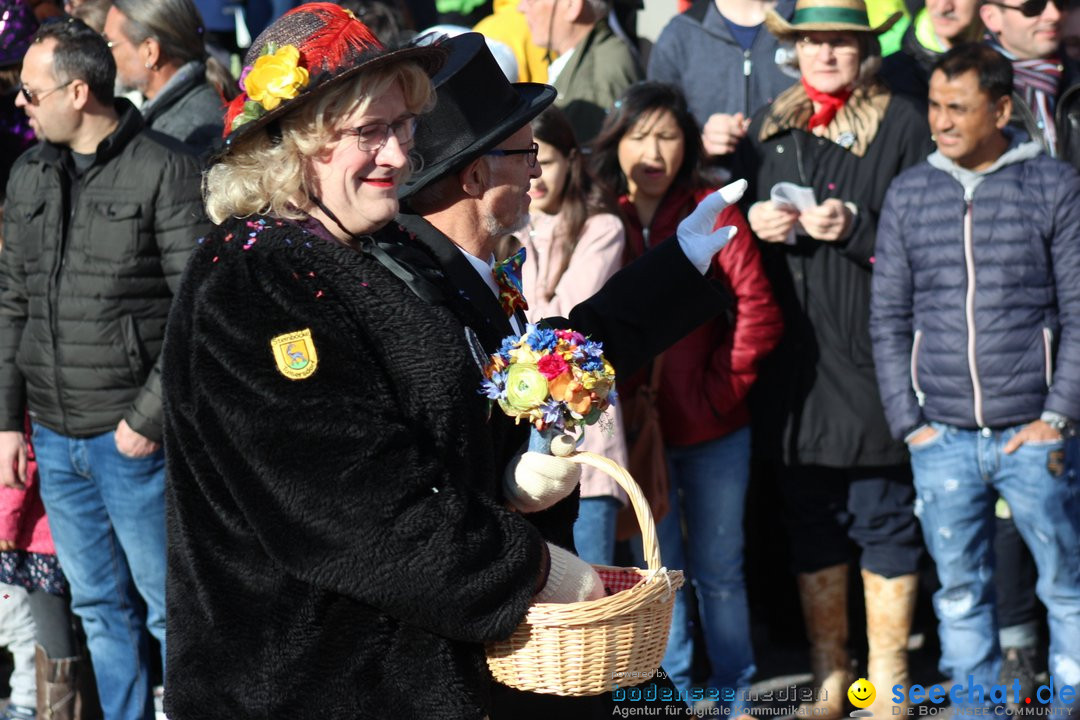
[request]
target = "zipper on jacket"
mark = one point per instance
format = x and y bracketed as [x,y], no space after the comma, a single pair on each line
[747,68]
[70,192]
[1048,351]
[919,394]
[969,307]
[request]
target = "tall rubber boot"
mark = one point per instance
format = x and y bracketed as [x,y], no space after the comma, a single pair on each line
[824,604]
[890,607]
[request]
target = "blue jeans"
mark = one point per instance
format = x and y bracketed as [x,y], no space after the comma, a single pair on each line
[708,493]
[958,477]
[107,516]
[594,530]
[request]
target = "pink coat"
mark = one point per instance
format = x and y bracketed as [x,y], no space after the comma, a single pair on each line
[22,515]
[596,258]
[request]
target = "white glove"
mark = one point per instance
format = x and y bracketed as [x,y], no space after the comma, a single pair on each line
[696,236]
[570,579]
[537,481]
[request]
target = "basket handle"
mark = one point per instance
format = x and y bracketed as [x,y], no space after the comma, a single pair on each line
[642,511]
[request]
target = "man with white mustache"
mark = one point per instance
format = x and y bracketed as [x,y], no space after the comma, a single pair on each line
[1046,101]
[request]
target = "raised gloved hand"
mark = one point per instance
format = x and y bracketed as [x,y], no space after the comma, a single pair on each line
[570,579]
[697,238]
[539,480]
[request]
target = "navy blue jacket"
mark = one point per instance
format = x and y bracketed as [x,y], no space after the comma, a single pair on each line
[975,310]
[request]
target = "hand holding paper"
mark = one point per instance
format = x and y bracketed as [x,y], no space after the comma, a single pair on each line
[791,197]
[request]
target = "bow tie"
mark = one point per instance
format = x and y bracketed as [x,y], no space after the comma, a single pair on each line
[508,276]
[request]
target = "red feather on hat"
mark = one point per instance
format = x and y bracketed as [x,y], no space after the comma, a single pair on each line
[234,108]
[327,47]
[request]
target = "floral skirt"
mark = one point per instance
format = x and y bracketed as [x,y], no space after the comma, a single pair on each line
[33,571]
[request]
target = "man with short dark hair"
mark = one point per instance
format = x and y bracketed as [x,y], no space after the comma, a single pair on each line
[99,221]
[975,318]
[1046,101]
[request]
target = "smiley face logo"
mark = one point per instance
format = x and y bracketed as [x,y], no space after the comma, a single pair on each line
[861,693]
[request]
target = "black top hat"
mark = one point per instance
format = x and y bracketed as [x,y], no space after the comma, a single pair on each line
[477,108]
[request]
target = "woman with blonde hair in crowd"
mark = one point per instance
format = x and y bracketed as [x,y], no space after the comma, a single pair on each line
[337,545]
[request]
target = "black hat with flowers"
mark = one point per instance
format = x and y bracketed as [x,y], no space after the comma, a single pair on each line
[307,51]
[477,108]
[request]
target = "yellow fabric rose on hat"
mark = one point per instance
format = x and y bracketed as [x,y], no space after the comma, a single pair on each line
[276,77]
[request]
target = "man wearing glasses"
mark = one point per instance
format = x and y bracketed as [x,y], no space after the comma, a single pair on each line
[471,190]
[99,221]
[1047,97]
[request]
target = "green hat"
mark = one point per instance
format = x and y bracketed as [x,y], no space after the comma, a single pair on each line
[826,15]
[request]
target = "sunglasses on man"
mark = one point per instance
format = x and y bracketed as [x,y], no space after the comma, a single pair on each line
[1028,8]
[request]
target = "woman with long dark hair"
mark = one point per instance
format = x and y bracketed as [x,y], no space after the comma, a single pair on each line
[649,153]
[574,243]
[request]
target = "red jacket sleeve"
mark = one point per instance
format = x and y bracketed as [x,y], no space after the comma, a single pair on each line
[757,318]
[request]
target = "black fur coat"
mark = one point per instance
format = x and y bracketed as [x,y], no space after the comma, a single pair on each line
[337,546]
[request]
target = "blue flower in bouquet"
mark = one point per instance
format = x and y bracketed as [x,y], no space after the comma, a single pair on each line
[593,349]
[541,339]
[551,413]
[494,387]
[592,364]
[508,344]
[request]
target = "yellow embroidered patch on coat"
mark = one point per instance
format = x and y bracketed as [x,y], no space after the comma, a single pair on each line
[295,354]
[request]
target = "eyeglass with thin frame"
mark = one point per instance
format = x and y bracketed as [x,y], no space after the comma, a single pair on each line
[839,44]
[1028,8]
[529,153]
[374,136]
[113,43]
[30,95]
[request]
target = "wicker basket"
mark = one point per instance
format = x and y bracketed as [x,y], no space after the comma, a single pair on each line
[592,647]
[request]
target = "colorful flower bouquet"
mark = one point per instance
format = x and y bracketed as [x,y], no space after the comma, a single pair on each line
[557,380]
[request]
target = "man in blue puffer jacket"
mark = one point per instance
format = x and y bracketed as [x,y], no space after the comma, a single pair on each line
[975,319]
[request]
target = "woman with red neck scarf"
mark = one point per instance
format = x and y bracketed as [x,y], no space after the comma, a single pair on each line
[818,416]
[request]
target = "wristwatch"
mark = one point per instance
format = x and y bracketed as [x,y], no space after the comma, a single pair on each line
[1056,420]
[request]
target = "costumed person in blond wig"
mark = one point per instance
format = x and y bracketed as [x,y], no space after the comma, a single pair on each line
[344,534]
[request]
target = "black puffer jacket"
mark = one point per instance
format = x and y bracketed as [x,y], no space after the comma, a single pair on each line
[87,275]
[339,546]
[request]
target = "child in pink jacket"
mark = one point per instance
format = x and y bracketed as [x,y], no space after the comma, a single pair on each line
[34,607]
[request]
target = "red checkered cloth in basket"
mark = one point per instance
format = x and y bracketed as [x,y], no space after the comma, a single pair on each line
[618,579]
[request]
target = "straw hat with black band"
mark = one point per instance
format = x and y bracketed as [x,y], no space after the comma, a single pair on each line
[826,16]
[306,52]
[477,108]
